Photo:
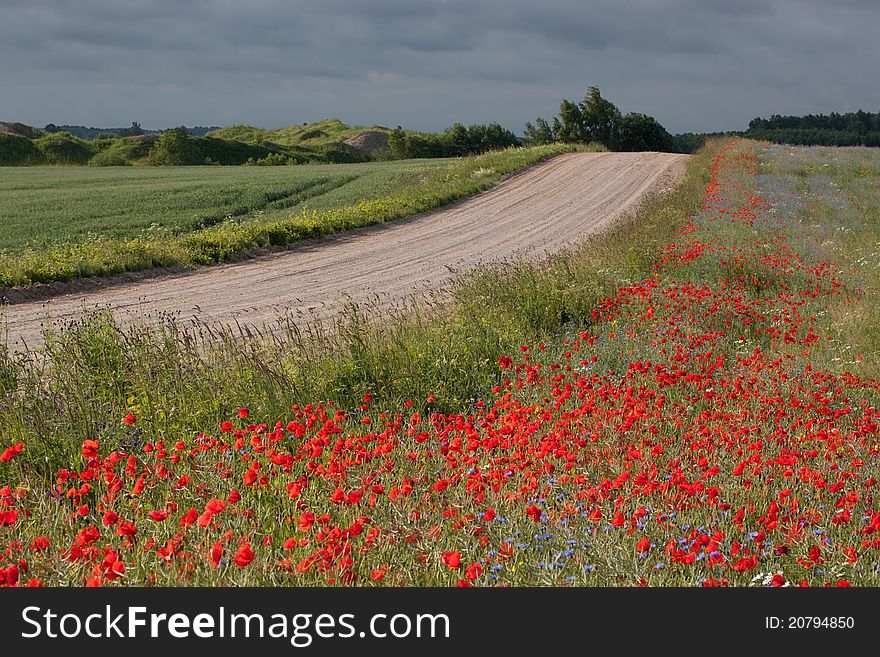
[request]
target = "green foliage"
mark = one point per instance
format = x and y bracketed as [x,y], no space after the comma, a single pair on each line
[601,119]
[16,150]
[597,120]
[321,142]
[62,148]
[175,148]
[539,133]
[134,131]
[272,159]
[639,132]
[455,141]
[850,129]
[124,152]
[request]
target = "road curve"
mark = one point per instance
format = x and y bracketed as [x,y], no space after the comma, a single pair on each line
[532,213]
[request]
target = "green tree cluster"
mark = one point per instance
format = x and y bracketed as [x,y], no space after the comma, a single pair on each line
[456,141]
[597,120]
[850,129]
[175,147]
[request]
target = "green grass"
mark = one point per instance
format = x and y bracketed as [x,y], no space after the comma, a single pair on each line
[62,224]
[44,206]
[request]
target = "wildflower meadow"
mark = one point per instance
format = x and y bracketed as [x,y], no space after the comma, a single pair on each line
[712,420]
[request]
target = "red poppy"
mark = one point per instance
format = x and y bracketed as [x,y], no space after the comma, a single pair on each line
[244,555]
[452,559]
[305,521]
[11,452]
[215,553]
[215,506]
[90,449]
[473,571]
[8,517]
[189,517]
[40,543]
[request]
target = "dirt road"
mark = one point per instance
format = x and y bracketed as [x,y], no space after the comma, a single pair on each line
[540,210]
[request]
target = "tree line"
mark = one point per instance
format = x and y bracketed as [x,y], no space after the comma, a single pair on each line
[456,141]
[849,129]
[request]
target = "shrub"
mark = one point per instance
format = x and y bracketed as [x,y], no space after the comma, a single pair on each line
[176,148]
[16,150]
[62,148]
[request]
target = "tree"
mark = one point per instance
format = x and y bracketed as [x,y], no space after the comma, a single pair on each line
[639,132]
[596,119]
[539,133]
[569,127]
[134,131]
[601,119]
[175,147]
[459,139]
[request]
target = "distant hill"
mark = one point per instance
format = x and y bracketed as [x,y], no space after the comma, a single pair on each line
[321,133]
[326,141]
[19,129]
[23,145]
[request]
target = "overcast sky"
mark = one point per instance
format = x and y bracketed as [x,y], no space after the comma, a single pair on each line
[695,65]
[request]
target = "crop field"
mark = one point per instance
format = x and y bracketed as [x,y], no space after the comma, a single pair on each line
[689,400]
[44,206]
[59,224]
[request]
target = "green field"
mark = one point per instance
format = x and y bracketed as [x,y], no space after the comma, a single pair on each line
[42,206]
[58,224]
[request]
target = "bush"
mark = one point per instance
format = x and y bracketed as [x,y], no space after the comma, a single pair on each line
[62,148]
[16,150]
[639,132]
[176,148]
[455,141]
[122,152]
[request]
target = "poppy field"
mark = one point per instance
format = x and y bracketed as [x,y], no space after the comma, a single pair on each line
[707,414]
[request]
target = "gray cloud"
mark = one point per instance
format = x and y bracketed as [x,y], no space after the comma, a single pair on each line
[694,64]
